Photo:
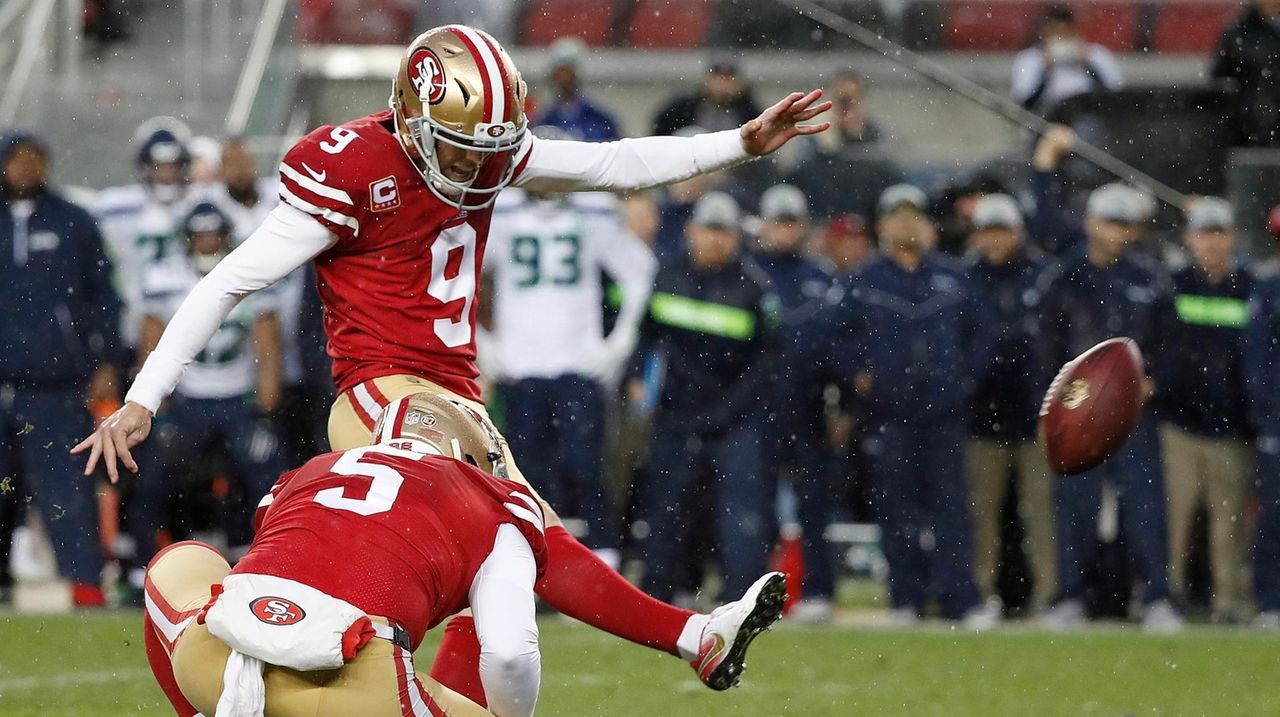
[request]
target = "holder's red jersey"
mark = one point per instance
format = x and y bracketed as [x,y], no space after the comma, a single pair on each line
[399,286]
[395,533]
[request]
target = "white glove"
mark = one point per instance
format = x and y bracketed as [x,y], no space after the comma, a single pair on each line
[606,363]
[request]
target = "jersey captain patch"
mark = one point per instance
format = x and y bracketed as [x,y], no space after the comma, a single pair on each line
[384,195]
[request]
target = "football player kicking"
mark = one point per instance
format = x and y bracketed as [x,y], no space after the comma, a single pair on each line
[394,209]
[358,553]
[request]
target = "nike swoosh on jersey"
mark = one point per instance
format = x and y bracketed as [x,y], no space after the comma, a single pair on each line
[318,176]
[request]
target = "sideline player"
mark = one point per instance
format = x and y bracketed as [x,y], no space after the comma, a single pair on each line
[309,625]
[394,208]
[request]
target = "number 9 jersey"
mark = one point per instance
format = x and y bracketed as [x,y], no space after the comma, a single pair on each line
[396,533]
[399,284]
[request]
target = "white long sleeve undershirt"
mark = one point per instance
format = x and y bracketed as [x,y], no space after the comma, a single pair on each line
[290,237]
[287,239]
[628,164]
[502,604]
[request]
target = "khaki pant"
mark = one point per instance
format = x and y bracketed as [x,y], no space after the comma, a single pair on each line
[379,682]
[351,419]
[1218,473]
[987,466]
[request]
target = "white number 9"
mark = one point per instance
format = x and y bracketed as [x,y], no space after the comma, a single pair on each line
[448,289]
[341,138]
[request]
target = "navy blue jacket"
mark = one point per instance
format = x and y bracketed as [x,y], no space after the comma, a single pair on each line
[913,332]
[669,242]
[801,287]
[1199,386]
[716,334]
[1058,233]
[1260,351]
[581,120]
[1083,304]
[61,314]
[800,284]
[1007,390]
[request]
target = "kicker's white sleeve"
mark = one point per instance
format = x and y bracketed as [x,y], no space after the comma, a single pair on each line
[565,166]
[503,607]
[287,239]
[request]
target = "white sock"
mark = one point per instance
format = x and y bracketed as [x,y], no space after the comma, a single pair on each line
[690,639]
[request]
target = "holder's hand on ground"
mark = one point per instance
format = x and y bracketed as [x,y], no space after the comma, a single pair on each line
[780,123]
[121,431]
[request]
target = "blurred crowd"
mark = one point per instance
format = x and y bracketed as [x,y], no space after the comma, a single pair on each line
[700,374]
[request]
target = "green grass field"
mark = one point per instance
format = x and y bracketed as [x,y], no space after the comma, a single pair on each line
[94,665]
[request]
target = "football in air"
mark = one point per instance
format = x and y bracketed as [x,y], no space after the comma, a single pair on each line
[1092,406]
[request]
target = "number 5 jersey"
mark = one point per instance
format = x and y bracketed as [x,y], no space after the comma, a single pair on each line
[398,534]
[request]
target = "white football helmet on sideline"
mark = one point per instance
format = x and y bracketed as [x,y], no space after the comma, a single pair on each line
[430,423]
[458,86]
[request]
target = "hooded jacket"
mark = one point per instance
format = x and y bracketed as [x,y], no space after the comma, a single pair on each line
[61,313]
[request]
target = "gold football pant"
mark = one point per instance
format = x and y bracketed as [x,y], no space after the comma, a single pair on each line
[379,682]
[354,414]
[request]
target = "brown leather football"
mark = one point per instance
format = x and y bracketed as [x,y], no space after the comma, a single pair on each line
[1092,406]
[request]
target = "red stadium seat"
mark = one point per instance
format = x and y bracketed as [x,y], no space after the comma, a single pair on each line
[663,23]
[547,20]
[1192,27]
[992,26]
[1110,24]
[375,22]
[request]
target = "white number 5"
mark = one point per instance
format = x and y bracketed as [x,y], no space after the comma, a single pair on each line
[383,488]
[341,138]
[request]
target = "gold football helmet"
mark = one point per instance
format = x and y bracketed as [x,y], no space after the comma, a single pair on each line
[430,423]
[458,86]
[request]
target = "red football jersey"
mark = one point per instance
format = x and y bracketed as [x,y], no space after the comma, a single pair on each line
[395,533]
[399,287]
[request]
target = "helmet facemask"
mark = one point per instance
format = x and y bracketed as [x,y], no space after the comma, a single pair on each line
[498,168]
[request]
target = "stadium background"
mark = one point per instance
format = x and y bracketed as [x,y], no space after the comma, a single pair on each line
[272,69]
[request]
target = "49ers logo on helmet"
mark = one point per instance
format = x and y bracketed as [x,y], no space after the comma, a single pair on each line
[426,74]
[276,611]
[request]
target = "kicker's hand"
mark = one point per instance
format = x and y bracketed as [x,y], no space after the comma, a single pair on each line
[780,123]
[119,432]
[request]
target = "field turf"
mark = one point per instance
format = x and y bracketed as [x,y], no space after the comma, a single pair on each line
[56,666]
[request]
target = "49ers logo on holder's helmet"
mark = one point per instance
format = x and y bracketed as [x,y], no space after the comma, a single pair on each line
[426,74]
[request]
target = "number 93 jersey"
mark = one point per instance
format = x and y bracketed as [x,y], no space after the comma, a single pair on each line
[399,285]
[396,533]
